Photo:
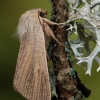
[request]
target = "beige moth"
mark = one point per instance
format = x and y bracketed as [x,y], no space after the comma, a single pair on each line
[31,77]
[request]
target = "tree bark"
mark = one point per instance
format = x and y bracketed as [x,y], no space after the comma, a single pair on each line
[68,84]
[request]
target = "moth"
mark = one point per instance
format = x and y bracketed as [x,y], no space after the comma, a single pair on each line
[31,77]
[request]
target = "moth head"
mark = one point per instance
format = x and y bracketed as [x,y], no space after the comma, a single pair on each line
[42,13]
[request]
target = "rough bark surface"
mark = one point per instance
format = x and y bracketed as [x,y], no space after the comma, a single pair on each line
[68,86]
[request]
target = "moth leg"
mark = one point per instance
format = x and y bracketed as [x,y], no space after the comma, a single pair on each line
[48,32]
[53,23]
[49,22]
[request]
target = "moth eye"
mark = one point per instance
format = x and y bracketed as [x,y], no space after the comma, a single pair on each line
[42,14]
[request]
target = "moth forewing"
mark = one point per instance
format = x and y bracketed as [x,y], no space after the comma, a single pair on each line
[31,77]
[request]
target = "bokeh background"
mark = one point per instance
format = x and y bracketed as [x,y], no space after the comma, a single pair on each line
[10,12]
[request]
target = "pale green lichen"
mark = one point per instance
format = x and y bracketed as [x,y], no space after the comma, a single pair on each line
[89,12]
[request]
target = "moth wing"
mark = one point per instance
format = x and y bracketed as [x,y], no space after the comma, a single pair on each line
[31,77]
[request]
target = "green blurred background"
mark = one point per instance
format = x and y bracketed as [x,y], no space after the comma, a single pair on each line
[10,12]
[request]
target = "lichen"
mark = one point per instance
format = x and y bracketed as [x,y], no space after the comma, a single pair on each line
[90,13]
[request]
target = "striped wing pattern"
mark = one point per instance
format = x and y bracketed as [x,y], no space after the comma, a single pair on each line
[31,76]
